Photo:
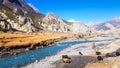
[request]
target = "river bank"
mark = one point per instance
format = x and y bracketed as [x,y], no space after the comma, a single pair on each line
[15,43]
[18,42]
[73,51]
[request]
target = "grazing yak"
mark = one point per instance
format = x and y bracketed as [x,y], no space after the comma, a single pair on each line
[117,54]
[66,59]
[114,54]
[110,55]
[99,58]
[98,53]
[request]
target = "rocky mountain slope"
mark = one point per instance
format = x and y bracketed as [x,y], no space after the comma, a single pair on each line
[54,23]
[17,5]
[17,15]
[78,27]
[108,25]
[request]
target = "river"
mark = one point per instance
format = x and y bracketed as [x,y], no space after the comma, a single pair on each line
[29,57]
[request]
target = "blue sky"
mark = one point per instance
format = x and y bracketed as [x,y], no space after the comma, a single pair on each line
[85,11]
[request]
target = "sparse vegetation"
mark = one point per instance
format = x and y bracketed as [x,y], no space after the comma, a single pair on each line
[9,12]
[23,39]
[36,18]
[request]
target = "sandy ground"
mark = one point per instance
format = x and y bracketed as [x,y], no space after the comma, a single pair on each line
[113,62]
[78,61]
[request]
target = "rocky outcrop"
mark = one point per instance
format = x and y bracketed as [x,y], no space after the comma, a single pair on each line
[4,24]
[20,23]
[23,24]
[54,23]
[80,28]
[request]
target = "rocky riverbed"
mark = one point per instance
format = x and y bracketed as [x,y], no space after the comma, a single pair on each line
[103,44]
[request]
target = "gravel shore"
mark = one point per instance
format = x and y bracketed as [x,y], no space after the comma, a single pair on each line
[78,61]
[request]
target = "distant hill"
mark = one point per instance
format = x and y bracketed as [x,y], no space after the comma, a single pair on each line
[108,25]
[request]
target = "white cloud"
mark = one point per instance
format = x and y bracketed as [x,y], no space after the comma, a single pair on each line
[72,20]
[31,5]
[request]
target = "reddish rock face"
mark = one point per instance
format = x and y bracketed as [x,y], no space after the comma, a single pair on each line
[19,4]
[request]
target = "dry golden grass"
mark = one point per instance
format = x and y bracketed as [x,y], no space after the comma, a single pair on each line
[23,39]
